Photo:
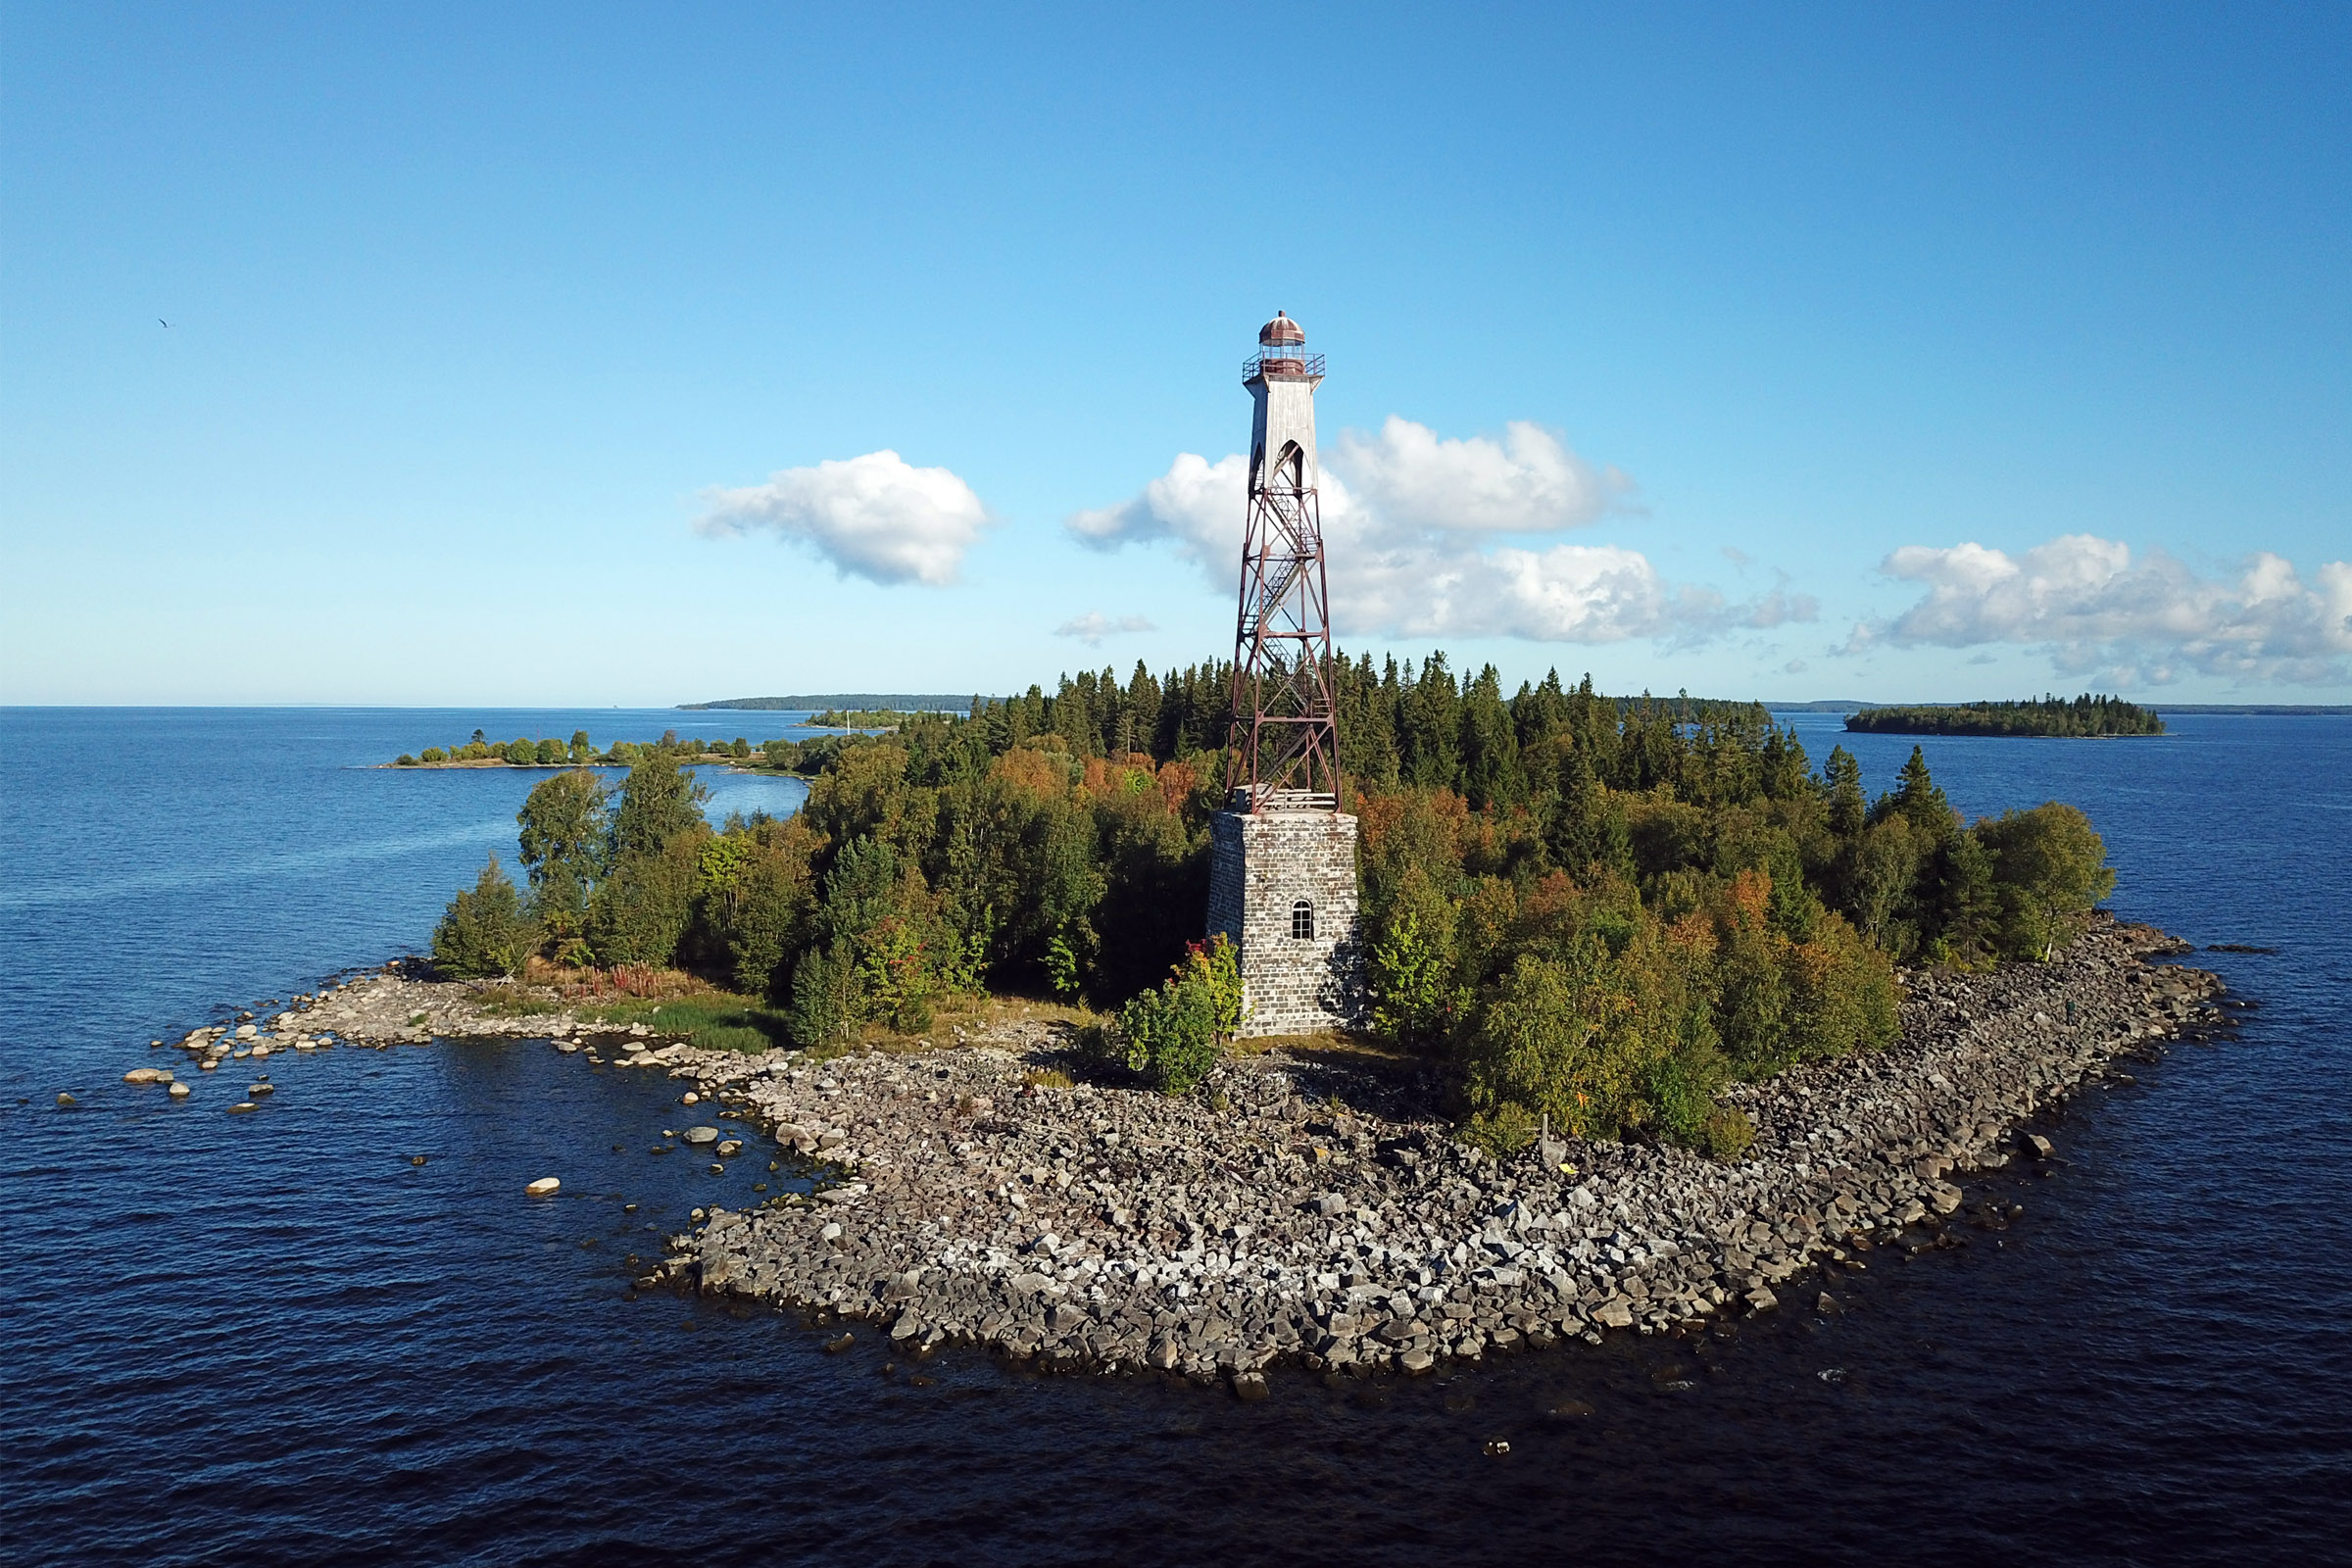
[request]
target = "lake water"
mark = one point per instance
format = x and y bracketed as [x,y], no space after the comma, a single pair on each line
[271,1339]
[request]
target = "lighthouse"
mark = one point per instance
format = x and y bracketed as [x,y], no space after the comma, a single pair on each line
[1282,867]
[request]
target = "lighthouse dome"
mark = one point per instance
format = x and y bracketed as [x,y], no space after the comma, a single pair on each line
[1280,332]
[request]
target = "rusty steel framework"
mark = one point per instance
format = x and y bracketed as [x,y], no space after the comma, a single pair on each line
[1283,749]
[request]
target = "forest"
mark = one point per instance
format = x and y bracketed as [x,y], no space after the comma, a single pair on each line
[1595,909]
[2052,717]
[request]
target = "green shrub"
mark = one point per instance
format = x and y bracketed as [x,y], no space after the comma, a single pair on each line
[433,753]
[1410,983]
[1680,1096]
[819,1012]
[1501,1131]
[484,932]
[1172,1035]
[1727,1133]
[404,760]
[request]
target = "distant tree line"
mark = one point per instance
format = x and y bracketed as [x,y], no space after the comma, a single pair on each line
[524,752]
[857,719]
[1595,909]
[2082,717]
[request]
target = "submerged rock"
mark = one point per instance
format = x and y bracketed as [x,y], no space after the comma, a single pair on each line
[543,1187]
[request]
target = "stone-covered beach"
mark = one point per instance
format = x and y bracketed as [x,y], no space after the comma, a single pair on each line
[1307,1207]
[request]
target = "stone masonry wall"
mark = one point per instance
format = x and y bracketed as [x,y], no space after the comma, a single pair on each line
[1261,864]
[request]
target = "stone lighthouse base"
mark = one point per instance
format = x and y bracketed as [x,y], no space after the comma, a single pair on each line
[1282,885]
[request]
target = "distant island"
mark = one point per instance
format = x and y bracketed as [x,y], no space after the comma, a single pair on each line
[2263,710]
[900,702]
[522,752]
[865,717]
[2048,717]
[806,758]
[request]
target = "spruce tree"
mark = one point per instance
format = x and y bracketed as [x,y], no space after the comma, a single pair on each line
[1847,808]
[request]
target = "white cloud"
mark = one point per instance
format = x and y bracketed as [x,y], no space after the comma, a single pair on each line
[1411,519]
[877,516]
[1093,626]
[1197,502]
[1412,480]
[2082,599]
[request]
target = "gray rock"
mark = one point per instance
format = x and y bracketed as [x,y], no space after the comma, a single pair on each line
[699,1135]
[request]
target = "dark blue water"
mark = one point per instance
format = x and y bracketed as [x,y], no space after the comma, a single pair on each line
[271,1339]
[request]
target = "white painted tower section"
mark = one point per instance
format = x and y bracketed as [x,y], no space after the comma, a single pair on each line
[1283,426]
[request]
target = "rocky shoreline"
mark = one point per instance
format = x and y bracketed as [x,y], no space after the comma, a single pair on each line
[1303,1208]
[1294,1210]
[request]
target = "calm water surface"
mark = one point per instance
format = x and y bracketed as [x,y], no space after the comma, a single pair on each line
[271,1339]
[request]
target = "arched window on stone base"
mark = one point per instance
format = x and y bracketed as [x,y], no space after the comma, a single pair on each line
[1302,922]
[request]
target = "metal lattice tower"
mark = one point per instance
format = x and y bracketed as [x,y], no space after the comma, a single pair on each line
[1283,749]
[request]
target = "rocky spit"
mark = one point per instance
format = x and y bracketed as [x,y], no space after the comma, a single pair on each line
[1306,1207]
[1298,1211]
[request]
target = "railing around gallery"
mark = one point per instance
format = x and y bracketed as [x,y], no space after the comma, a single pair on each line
[1283,367]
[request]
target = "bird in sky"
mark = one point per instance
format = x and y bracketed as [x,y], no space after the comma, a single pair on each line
[160,319]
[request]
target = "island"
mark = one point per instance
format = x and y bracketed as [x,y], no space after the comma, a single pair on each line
[898,702]
[2048,717]
[865,718]
[578,751]
[1661,1017]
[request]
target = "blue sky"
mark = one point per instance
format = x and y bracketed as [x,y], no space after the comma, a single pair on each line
[548,356]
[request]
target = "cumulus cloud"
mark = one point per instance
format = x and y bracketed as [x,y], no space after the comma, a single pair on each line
[877,516]
[1093,626]
[2091,608]
[1195,502]
[1411,479]
[1413,522]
